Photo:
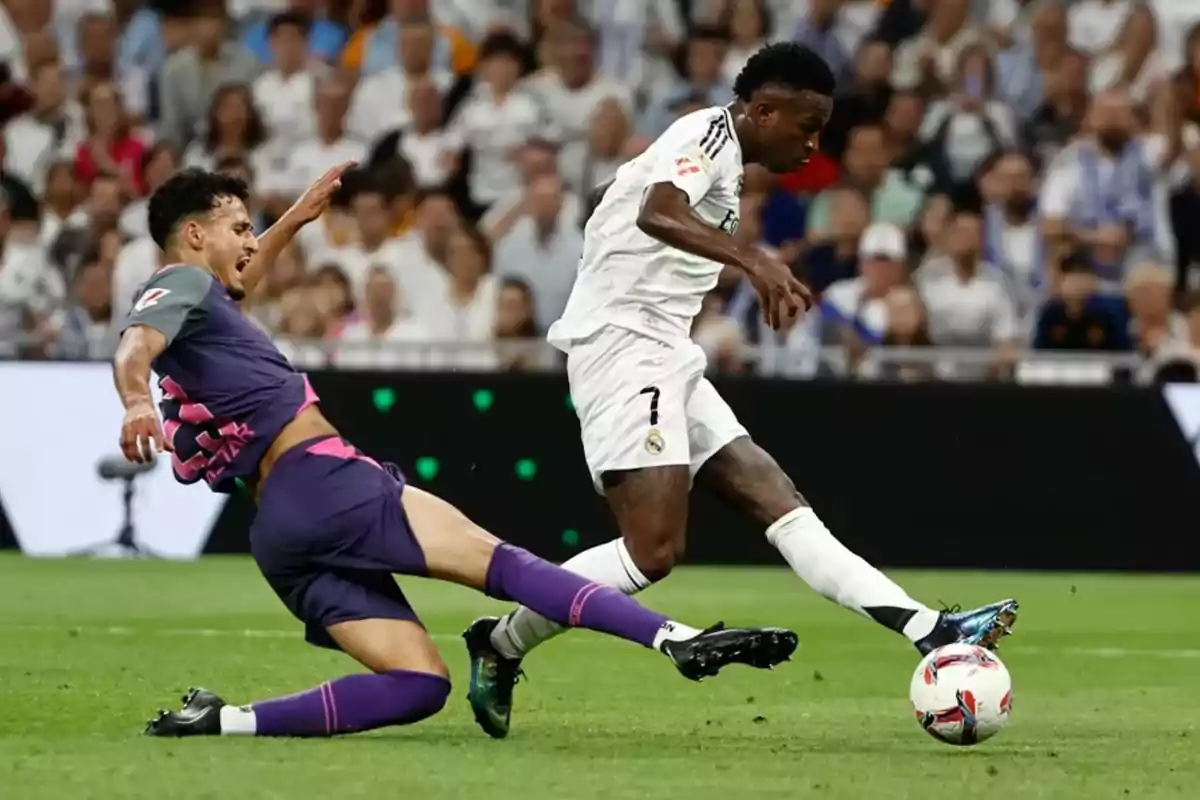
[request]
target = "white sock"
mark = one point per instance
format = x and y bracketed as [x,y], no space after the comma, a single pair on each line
[609,564]
[829,568]
[238,721]
[672,631]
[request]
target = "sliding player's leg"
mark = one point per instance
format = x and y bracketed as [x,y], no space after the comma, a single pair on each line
[458,550]
[746,476]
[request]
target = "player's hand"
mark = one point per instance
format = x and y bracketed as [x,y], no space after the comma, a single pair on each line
[316,198]
[142,434]
[781,295]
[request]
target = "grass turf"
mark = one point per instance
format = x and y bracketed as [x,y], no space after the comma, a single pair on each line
[1106,672]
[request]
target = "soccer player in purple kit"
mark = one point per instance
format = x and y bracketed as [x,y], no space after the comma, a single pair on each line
[333,525]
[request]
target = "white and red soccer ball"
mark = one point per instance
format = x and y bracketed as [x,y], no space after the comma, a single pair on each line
[961,694]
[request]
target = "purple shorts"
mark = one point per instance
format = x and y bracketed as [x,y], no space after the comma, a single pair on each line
[329,534]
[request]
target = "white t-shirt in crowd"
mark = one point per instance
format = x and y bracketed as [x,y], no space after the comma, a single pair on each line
[1063,183]
[356,261]
[493,129]
[843,302]
[977,312]
[380,102]
[399,347]
[630,279]
[312,158]
[286,106]
[1094,25]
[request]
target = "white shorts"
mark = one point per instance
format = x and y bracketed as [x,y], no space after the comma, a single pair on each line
[645,403]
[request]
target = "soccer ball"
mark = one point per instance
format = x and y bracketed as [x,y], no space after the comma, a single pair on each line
[961,694]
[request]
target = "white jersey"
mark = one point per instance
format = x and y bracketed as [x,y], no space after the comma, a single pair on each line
[630,280]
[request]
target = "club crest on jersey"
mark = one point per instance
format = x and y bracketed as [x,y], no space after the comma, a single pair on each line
[654,442]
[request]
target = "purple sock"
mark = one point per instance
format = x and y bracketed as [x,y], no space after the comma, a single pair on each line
[567,598]
[354,703]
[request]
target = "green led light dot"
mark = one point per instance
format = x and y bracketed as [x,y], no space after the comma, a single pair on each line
[482,398]
[526,469]
[570,537]
[384,398]
[428,467]
[570,403]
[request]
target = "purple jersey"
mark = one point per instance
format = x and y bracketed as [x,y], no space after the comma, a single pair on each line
[227,390]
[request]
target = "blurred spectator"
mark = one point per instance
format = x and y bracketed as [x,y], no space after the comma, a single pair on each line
[854,310]
[1130,62]
[1187,79]
[29,291]
[906,328]
[963,130]
[701,77]
[493,123]
[423,276]
[284,93]
[320,36]
[374,245]
[60,202]
[302,324]
[587,164]
[892,198]
[570,89]
[928,240]
[191,76]
[47,132]
[930,61]
[1185,210]
[96,32]
[150,34]
[335,298]
[233,128]
[1026,62]
[1078,318]
[368,117]
[467,311]
[330,145]
[750,27]
[452,51]
[820,29]
[1107,192]
[368,343]
[86,330]
[542,248]
[111,147]
[426,145]
[719,335]
[833,247]
[535,158]
[1060,116]
[637,40]
[265,304]
[158,164]
[1154,323]
[519,345]
[862,99]
[968,306]
[101,214]
[1012,240]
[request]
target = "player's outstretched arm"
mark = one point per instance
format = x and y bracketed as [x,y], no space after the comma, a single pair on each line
[311,205]
[667,216]
[141,429]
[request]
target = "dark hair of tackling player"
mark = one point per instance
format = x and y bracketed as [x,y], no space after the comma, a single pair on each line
[200,218]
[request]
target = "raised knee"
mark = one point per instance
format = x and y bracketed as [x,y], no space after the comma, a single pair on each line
[655,555]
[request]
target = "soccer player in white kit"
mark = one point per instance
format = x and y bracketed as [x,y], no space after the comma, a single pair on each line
[651,423]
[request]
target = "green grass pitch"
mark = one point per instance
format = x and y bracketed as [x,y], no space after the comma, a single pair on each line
[1106,701]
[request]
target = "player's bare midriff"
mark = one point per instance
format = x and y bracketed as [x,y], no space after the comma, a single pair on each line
[308,424]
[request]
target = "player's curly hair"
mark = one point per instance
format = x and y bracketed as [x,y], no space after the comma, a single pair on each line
[188,193]
[785,64]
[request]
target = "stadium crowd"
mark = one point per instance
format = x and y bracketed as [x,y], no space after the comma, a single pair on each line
[1001,176]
